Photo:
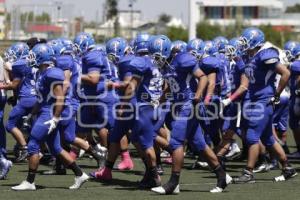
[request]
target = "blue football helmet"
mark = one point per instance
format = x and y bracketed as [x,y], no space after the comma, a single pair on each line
[41,54]
[194,46]
[209,48]
[289,48]
[116,48]
[251,38]
[100,47]
[141,43]
[178,46]
[69,47]
[17,51]
[160,48]
[221,42]
[232,49]
[84,42]
[57,46]
[296,51]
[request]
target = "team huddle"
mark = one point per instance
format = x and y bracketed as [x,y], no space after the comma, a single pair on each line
[163,97]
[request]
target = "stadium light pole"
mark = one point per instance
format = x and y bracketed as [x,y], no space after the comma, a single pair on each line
[194,17]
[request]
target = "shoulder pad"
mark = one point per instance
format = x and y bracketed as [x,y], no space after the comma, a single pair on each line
[65,62]
[139,64]
[210,62]
[269,56]
[55,74]
[295,66]
[93,59]
[185,60]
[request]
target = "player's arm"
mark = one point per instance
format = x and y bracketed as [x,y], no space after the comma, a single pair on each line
[298,85]
[122,85]
[239,92]
[92,78]
[67,81]
[211,84]
[284,79]
[166,92]
[131,88]
[202,83]
[11,85]
[60,99]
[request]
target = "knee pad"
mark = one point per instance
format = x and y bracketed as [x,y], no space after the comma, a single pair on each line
[33,146]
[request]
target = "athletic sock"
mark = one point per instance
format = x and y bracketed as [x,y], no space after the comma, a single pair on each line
[153,172]
[31,175]
[109,165]
[145,163]
[158,158]
[219,171]
[76,169]
[174,179]
[298,148]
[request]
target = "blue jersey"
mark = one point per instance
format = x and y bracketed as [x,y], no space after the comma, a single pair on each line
[260,71]
[124,68]
[179,76]
[295,72]
[150,88]
[210,65]
[67,62]
[44,84]
[27,76]
[224,65]
[94,61]
[237,67]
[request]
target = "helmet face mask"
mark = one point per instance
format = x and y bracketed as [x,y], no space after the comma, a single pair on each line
[159,60]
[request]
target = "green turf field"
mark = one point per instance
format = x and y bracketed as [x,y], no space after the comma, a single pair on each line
[194,185]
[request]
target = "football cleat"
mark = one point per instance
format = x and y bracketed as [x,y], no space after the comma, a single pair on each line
[22,155]
[246,177]
[234,150]
[25,185]
[165,189]
[160,170]
[295,155]
[103,174]
[149,182]
[79,181]
[222,184]
[165,154]
[286,174]
[5,167]
[126,162]
[262,168]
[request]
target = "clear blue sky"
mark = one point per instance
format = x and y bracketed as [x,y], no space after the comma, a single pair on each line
[150,8]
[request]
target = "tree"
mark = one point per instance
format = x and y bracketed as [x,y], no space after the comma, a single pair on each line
[206,31]
[112,13]
[293,9]
[164,18]
[177,33]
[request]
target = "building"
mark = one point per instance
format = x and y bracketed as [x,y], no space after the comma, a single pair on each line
[2,19]
[248,12]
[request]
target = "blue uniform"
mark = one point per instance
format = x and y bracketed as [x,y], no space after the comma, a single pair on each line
[124,124]
[93,111]
[224,66]
[237,67]
[67,125]
[294,107]
[26,93]
[212,125]
[148,94]
[183,87]
[39,133]
[257,110]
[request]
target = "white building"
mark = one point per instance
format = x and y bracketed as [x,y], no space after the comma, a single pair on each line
[2,19]
[248,12]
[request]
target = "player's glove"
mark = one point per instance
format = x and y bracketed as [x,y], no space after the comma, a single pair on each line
[224,103]
[275,100]
[52,124]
